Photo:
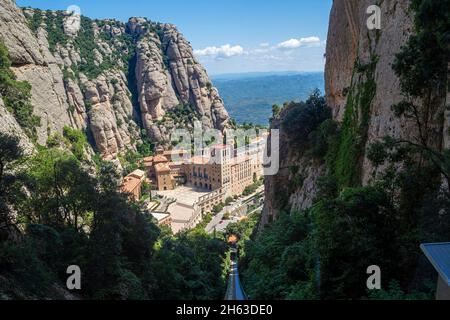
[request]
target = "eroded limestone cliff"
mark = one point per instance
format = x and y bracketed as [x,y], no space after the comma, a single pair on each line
[170,77]
[108,78]
[361,88]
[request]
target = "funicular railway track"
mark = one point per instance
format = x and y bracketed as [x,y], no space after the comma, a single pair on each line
[234,290]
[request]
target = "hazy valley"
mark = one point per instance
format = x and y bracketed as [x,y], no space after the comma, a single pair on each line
[250,97]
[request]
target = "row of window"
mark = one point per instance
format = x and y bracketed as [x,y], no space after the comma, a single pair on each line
[201,185]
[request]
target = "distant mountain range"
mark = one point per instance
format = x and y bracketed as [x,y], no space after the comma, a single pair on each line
[249,96]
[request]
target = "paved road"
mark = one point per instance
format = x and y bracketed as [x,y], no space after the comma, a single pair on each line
[217,221]
[219,224]
[234,290]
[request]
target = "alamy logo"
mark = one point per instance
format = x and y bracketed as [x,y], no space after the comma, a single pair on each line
[74,280]
[374,280]
[374,20]
[73,20]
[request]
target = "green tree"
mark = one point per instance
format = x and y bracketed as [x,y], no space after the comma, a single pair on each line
[279,263]
[10,153]
[275,110]
[303,118]
[61,192]
[218,208]
[358,229]
[77,140]
[228,201]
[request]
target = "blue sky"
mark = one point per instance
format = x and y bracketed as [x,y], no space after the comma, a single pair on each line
[230,36]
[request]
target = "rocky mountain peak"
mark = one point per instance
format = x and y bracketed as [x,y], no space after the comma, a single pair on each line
[137,25]
[113,80]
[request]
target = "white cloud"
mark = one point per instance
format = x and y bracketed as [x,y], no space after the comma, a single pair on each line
[302,54]
[222,52]
[309,40]
[290,44]
[297,43]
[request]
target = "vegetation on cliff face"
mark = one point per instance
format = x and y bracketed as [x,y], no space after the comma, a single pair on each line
[16,95]
[54,26]
[94,61]
[310,131]
[346,159]
[71,139]
[85,42]
[68,217]
[422,67]
[323,252]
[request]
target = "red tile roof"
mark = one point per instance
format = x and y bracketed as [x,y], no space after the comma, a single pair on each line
[200,160]
[129,184]
[175,152]
[160,159]
[162,167]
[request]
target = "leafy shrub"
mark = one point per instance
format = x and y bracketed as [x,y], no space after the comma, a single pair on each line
[218,208]
[356,230]
[20,263]
[77,140]
[228,201]
[46,241]
[395,292]
[302,119]
[422,64]
[323,139]
[252,188]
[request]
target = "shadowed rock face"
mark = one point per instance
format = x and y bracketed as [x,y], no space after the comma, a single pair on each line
[349,43]
[65,91]
[278,188]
